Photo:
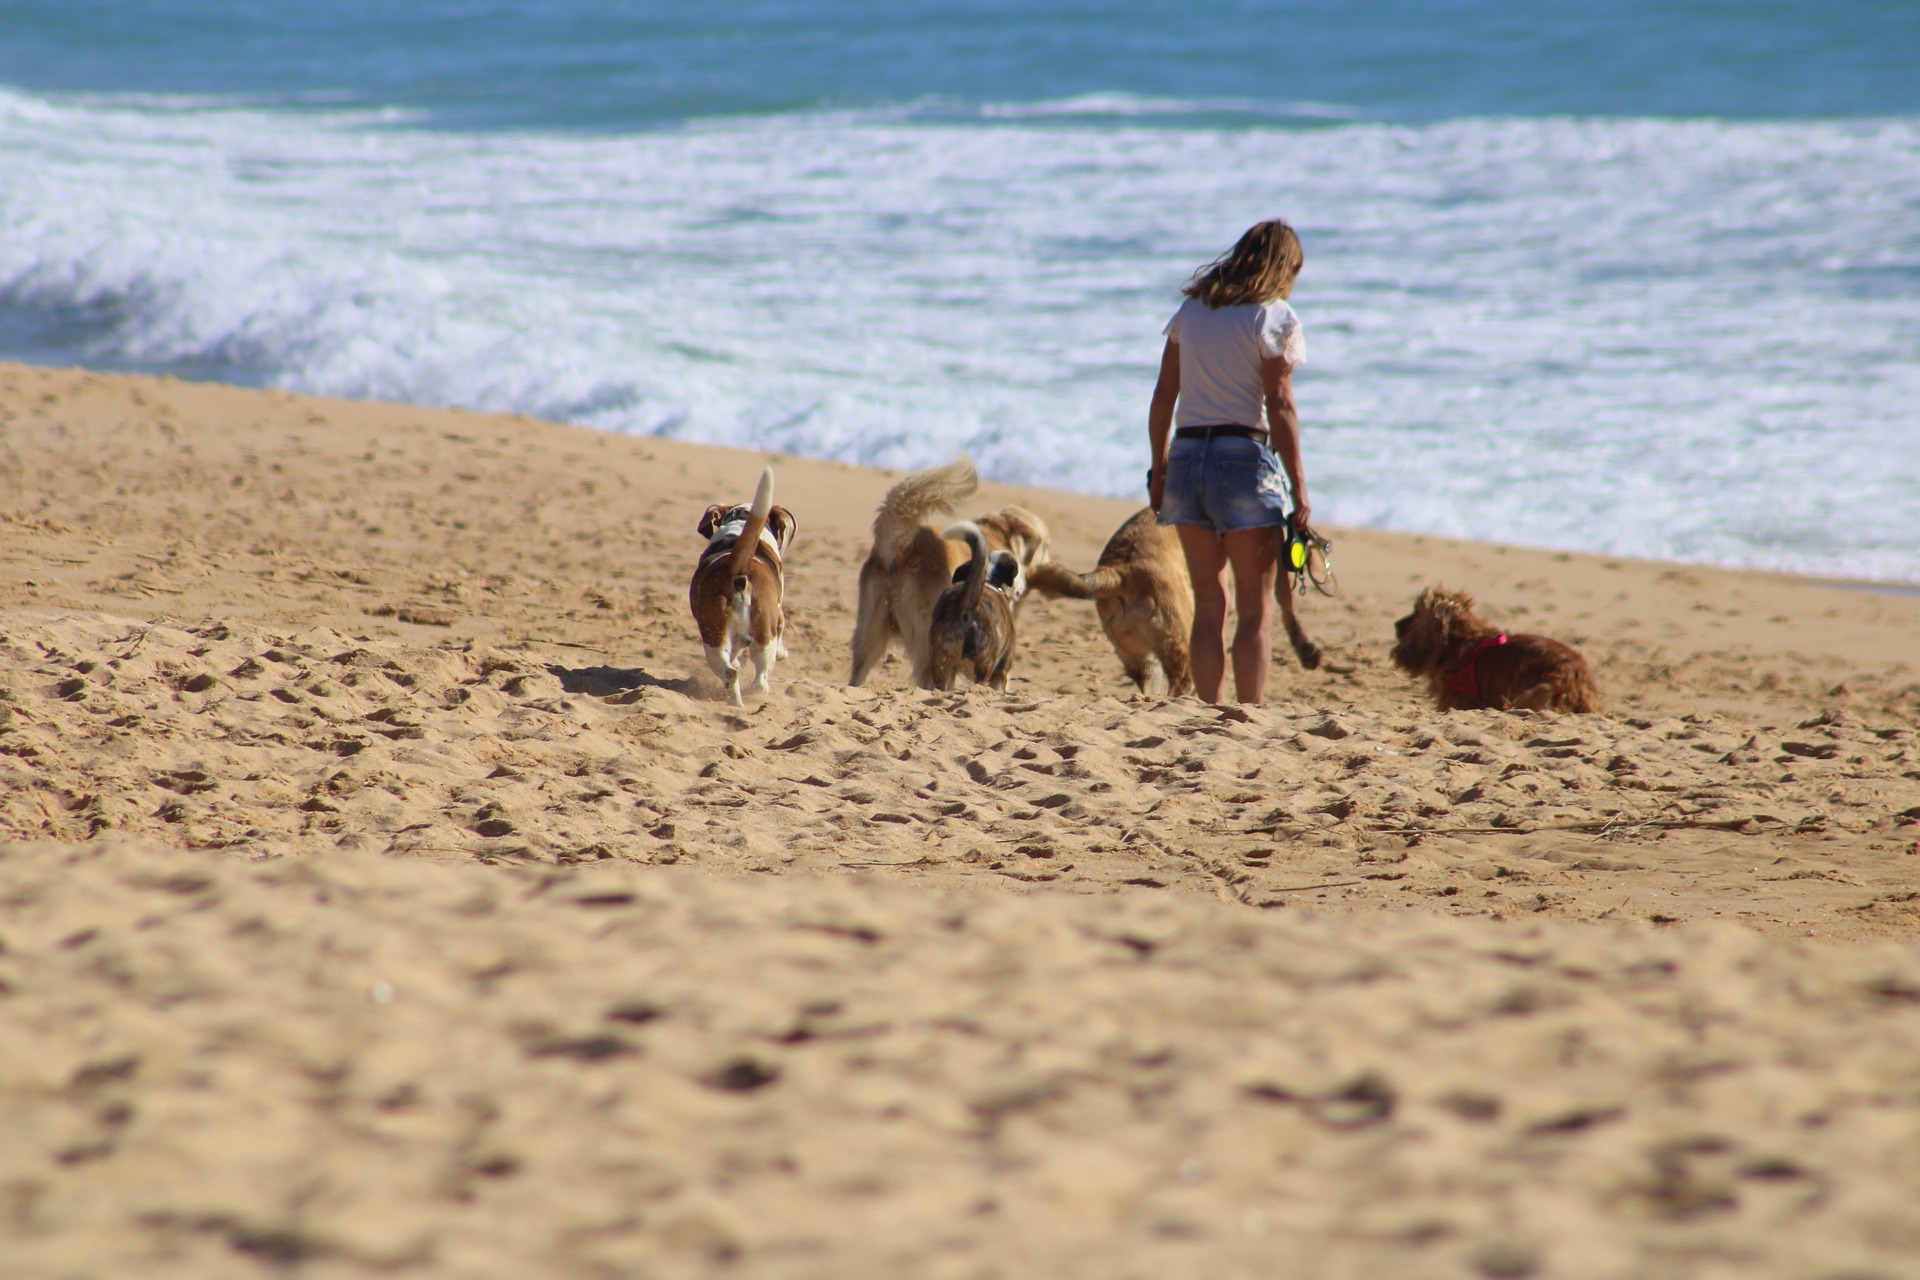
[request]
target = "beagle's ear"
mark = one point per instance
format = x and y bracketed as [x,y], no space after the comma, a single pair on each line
[716,515]
[784,526]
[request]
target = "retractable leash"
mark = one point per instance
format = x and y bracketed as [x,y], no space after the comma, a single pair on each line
[1310,559]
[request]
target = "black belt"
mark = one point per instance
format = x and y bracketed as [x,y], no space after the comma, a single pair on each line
[1232,429]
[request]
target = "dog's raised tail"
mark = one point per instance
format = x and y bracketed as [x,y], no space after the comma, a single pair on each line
[1051,578]
[1098,584]
[969,532]
[750,536]
[916,497]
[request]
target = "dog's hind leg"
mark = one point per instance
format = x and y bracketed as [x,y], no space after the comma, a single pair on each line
[871,631]
[1304,649]
[942,670]
[723,665]
[764,656]
[924,676]
[1177,668]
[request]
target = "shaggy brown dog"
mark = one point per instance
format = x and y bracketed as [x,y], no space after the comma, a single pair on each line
[911,564]
[1469,666]
[737,587]
[972,629]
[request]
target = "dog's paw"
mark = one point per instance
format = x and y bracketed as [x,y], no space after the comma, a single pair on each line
[1309,655]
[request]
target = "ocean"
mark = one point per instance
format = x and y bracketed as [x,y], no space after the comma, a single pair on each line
[1640,279]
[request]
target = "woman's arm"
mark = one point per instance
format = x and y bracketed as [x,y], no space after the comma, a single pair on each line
[1160,420]
[1283,428]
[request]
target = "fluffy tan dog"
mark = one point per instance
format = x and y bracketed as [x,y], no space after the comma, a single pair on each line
[972,629]
[1469,666]
[1144,597]
[737,588]
[911,563]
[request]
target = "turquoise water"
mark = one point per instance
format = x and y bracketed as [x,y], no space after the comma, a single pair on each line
[1643,280]
[578,65]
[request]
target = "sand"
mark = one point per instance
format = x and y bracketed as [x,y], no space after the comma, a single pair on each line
[385,889]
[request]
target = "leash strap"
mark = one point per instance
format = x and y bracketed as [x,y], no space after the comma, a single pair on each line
[1315,555]
[1466,682]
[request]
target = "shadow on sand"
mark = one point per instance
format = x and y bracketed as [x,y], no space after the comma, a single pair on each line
[610,682]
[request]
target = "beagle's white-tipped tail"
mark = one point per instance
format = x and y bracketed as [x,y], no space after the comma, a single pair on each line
[750,536]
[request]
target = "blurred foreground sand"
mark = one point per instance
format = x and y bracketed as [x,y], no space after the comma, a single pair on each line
[878,981]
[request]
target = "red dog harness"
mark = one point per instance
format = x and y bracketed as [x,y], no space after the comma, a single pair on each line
[1467,682]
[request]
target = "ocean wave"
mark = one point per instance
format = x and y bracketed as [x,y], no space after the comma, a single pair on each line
[1681,339]
[1122,106]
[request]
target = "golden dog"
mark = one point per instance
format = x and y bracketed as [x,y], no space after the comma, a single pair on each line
[1141,590]
[1144,596]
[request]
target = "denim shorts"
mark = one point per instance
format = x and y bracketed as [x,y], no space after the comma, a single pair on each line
[1224,484]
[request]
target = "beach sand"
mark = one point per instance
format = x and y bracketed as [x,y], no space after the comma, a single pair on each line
[385,889]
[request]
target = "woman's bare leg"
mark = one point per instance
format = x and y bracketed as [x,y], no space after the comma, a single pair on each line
[1255,563]
[1207,566]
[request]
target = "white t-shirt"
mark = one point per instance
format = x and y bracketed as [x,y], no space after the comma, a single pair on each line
[1220,354]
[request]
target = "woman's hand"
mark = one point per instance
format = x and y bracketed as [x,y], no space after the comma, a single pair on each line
[1157,487]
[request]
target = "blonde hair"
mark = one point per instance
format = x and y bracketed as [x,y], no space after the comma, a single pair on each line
[1259,268]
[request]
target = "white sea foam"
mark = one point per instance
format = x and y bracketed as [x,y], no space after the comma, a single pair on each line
[1129,106]
[1680,339]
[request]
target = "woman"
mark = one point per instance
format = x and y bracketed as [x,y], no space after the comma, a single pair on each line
[1228,367]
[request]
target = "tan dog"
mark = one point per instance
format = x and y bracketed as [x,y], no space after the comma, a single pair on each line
[1144,596]
[911,564]
[972,629]
[1470,666]
[1141,590]
[737,588]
